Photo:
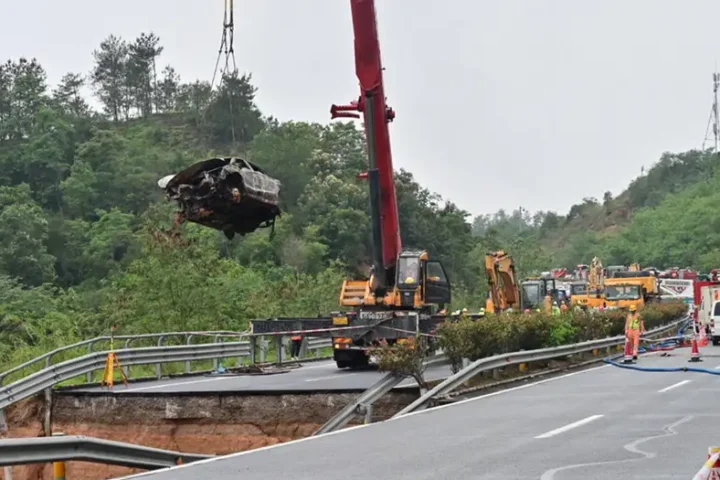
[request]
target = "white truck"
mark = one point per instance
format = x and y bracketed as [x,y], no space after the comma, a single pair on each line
[708,312]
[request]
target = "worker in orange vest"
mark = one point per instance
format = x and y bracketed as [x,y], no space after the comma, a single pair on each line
[634,327]
[295,347]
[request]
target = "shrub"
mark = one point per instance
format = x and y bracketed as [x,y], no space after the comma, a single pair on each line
[403,358]
[506,332]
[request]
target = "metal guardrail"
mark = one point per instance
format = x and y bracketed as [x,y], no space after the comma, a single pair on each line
[61,372]
[21,451]
[86,364]
[125,339]
[363,404]
[514,358]
[46,360]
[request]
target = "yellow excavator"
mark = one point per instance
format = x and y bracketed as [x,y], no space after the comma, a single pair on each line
[503,291]
[506,293]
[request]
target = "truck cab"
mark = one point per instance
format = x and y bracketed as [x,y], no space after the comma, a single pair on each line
[624,296]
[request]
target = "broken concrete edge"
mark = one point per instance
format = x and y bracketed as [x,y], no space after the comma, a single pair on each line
[288,365]
[225,393]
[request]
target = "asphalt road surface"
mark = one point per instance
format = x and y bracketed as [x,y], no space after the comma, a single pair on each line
[601,423]
[313,376]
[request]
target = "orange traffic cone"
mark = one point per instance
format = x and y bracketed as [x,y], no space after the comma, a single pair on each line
[628,351]
[695,353]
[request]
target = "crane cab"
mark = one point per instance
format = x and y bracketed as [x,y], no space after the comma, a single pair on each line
[419,283]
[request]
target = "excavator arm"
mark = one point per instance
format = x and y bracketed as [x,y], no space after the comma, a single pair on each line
[502,282]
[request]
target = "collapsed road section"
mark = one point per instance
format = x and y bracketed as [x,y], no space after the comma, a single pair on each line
[195,422]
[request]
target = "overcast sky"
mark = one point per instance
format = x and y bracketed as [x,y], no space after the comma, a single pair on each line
[500,104]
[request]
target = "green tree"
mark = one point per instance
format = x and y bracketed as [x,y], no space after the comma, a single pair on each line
[23,232]
[109,75]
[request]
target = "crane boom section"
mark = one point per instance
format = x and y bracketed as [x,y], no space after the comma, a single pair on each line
[368,68]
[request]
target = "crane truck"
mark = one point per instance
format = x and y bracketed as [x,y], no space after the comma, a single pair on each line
[406,287]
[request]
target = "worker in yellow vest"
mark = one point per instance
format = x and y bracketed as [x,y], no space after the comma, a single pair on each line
[634,327]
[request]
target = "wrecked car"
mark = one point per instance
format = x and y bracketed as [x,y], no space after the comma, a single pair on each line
[228,194]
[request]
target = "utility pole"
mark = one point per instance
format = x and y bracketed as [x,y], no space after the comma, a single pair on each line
[714,117]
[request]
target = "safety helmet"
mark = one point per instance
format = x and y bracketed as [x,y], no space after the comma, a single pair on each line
[633,308]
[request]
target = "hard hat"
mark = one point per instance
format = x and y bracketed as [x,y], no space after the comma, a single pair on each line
[633,308]
[464,310]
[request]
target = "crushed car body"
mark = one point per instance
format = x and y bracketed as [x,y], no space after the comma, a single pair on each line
[228,194]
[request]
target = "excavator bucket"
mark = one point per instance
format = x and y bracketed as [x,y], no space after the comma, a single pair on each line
[228,194]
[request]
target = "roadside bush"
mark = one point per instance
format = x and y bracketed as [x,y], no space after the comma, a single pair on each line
[506,332]
[403,358]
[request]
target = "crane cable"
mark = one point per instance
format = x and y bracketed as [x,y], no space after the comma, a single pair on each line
[227,47]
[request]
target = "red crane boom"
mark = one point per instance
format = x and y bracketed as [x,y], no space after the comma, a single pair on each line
[376,114]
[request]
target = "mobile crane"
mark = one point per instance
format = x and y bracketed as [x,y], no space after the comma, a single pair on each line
[405,288]
[405,284]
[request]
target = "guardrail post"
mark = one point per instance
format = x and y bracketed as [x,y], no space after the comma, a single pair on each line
[253,349]
[216,361]
[3,434]
[264,345]
[303,347]
[92,372]
[126,368]
[58,467]
[240,358]
[158,366]
[48,402]
[279,346]
[365,409]
[187,362]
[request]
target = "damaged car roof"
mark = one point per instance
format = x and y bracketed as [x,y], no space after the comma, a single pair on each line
[228,194]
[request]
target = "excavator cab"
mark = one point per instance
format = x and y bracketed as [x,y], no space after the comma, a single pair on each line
[535,291]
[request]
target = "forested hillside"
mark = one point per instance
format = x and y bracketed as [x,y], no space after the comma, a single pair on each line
[81,243]
[666,217]
[81,216]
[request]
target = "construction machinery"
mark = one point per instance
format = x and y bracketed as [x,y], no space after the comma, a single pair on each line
[405,287]
[503,291]
[538,293]
[631,287]
[592,297]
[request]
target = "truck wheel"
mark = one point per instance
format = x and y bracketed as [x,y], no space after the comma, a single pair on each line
[342,364]
[360,360]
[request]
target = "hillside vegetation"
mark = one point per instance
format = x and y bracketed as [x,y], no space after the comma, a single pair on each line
[664,218]
[81,216]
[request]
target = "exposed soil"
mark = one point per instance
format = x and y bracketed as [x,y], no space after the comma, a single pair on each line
[210,424]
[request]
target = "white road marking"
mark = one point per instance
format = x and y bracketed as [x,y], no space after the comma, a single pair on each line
[331,377]
[717,368]
[674,385]
[178,383]
[570,426]
[306,366]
